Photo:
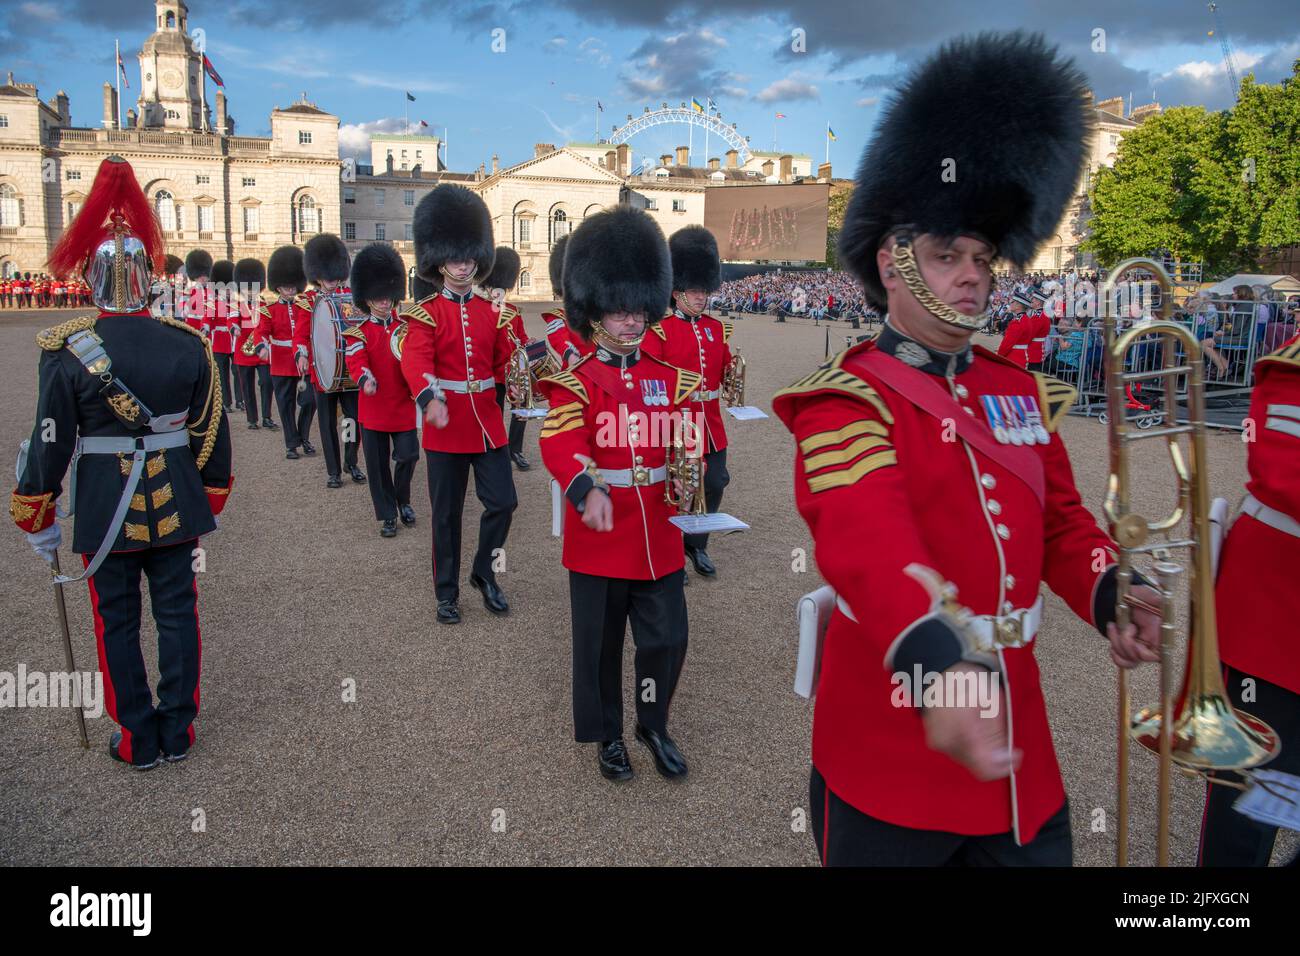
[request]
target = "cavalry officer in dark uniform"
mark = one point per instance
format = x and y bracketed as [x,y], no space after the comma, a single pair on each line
[325,262]
[387,410]
[1255,601]
[564,344]
[455,353]
[933,527]
[275,332]
[505,273]
[690,338]
[624,556]
[139,399]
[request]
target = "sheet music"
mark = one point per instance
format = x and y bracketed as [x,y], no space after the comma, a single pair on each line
[708,524]
[530,412]
[745,413]
[1267,806]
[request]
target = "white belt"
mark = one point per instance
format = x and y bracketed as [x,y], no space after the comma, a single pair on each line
[991,632]
[283,343]
[463,387]
[627,477]
[701,396]
[1020,347]
[111,445]
[1278,520]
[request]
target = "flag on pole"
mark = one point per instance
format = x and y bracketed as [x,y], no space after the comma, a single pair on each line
[410,97]
[212,72]
[780,116]
[423,123]
[830,133]
[695,105]
[122,67]
[599,106]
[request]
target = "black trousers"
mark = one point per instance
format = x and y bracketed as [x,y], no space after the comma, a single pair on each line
[601,609]
[848,837]
[327,404]
[115,603]
[306,400]
[295,419]
[223,371]
[1229,838]
[517,426]
[390,487]
[246,379]
[716,478]
[495,487]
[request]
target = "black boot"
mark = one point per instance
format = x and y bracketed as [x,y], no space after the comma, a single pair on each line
[613,760]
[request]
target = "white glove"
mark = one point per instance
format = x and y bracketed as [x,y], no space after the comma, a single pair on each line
[46,543]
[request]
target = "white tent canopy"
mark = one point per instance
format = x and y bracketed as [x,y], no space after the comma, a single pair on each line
[1287,285]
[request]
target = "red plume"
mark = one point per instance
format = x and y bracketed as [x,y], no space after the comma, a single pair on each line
[115,192]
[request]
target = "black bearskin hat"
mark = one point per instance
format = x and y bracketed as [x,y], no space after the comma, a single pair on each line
[695,259]
[378,272]
[250,274]
[986,138]
[452,223]
[556,265]
[172,264]
[198,264]
[505,270]
[616,261]
[325,257]
[223,270]
[284,268]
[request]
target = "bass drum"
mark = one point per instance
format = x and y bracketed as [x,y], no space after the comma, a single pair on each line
[331,316]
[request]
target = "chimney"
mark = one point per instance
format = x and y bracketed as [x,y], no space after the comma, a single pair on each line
[110,106]
[713,162]
[768,166]
[541,149]
[11,77]
[388,162]
[62,107]
[131,119]
[683,156]
[732,156]
[666,159]
[611,160]
[624,158]
[787,168]
[496,163]
[1114,106]
[221,111]
[481,174]
[824,172]
[1141,113]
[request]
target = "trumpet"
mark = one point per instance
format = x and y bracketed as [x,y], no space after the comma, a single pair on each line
[733,381]
[519,380]
[1200,732]
[685,466]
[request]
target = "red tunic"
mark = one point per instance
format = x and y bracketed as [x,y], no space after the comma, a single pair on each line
[698,345]
[1024,338]
[883,485]
[566,345]
[370,355]
[276,327]
[451,341]
[1257,569]
[617,419]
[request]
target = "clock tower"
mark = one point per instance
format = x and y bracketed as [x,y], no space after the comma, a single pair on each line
[171,73]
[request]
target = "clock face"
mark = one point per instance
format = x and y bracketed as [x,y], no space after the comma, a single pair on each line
[171,79]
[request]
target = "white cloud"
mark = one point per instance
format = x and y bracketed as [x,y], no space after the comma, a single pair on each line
[555,44]
[791,88]
[354,138]
[868,101]
[39,11]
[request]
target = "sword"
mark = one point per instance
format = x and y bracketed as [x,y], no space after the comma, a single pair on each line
[62,606]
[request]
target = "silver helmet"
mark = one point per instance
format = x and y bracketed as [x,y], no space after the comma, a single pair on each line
[120,274]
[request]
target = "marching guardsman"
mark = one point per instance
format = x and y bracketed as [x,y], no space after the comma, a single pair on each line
[135,402]
[242,283]
[690,338]
[275,327]
[605,440]
[918,417]
[387,410]
[326,265]
[1255,601]
[198,273]
[565,346]
[455,353]
[1026,334]
[505,273]
[219,325]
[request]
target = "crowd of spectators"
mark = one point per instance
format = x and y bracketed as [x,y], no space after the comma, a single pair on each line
[823,294]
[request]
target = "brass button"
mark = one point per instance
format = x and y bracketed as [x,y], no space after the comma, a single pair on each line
[988,481]
[629,383]
[1007,607]
[995,507]
[969,411]
[1010,581]
[961,390]
[1003,532]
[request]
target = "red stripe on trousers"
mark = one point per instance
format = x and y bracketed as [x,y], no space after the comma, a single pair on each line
[110,696]
[198,665]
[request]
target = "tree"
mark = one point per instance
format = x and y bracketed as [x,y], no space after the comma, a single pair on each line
[839,201]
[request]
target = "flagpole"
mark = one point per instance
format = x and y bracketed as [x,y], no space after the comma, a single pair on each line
[117,68]
[203,92]
[708,105]
[406,113]
[828,141]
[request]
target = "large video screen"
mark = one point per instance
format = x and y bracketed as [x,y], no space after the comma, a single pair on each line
[768,222]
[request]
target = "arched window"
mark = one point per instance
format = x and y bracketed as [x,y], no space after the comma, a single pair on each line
[308,216]
[171,20]
[166,207]
[9,210]
[559,225]
[525,281]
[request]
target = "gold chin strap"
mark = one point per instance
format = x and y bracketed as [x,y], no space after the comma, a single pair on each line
[602,337]
[905,263]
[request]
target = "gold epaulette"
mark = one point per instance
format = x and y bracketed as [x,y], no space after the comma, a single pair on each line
[1055,397]
[727,329]
[508,312]
[687,382]
[570,381]
[1288,354]
[302,301]
[658,328]
[354,331]
[213,406]
[830,377]
[264,310]
[418,314]
[52,339]
[177,323]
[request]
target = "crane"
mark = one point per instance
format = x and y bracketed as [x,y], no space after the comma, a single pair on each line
[1229,63]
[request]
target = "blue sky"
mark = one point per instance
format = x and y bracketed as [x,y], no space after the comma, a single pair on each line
[561,56]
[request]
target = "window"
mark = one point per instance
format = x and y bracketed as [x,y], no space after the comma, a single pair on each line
[73,209]
[349,195]
[379,231]
[417,154]
[525,281]
[9,206]
[308,216]
[171,20]
[202,179]
[304,137]
[249,181]
[525,230]
[403,164]
[4,120]
[166,207]
[251,220]
[403,154]
[349,230]
[205,219]
[379,199]
[408,197]
[172,114]
[559,225]
[679,205]
[73,175]
[408,232]
[652,203]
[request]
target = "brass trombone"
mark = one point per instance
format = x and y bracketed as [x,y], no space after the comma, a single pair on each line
[1206,733]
